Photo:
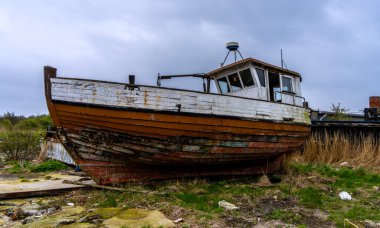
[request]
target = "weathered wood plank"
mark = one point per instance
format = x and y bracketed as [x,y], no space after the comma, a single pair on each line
[165,99]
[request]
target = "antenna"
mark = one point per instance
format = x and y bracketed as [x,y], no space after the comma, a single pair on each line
[232,46]
[283,62]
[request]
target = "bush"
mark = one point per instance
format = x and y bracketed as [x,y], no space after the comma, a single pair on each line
[49,165]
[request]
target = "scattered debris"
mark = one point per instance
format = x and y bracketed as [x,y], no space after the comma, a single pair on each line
[92,185]
[178,220]
[111,188]
[70,204]
[345,196]
[344,164]
[227,205]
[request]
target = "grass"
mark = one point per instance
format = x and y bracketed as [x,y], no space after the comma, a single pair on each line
[358,151]
[347,178]
[358,182]
[285,215]
[18,167]
[109,201]
[310,197]
[46,166]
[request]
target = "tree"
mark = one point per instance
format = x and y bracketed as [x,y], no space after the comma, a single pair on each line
[20,140]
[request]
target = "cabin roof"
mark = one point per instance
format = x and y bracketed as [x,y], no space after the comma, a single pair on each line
[257,62]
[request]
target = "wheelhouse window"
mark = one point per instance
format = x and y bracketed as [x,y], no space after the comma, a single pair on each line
[223,85]
[246,77]
[261,75]
[234,81]
[287,84]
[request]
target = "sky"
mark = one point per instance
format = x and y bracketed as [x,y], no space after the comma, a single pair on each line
[334,45]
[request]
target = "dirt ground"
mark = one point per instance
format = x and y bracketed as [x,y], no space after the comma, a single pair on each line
[304,196]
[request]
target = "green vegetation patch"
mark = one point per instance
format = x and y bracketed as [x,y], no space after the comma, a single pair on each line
[48,166]
[346,178]
[358,183]
[311,197]
[285,215]
[200,202]
[18,167]
[109,200]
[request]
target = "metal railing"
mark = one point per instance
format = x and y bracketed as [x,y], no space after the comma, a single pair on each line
[289,94]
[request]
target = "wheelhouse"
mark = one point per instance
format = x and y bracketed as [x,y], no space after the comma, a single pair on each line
[259,80]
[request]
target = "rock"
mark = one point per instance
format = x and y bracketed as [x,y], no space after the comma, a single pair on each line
[376,188]
[345,196]
[31,208]
[89,218]
[27,220]
[58,219]
[2,222]
[139,218]
[7,204]
[371,224]
[30,212]
[17,214]
[97,222]
[227,205]
[344,164]
[264,181]
[65,221]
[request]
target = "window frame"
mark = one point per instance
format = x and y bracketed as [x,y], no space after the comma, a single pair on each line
[265,75]
[241,82]
[237,70]
[228,84]
[291,81]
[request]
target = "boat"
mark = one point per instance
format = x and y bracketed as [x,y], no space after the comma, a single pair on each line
[123,132]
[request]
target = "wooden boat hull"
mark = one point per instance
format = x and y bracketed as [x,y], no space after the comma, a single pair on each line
[122,143]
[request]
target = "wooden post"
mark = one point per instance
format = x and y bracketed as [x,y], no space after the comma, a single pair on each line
[50,72]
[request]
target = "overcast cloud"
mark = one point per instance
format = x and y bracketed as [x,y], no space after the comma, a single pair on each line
[334,44]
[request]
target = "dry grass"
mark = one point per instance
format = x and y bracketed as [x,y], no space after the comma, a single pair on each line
[324,148]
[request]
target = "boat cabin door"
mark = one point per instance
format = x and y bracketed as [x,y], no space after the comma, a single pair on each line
[274,86]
